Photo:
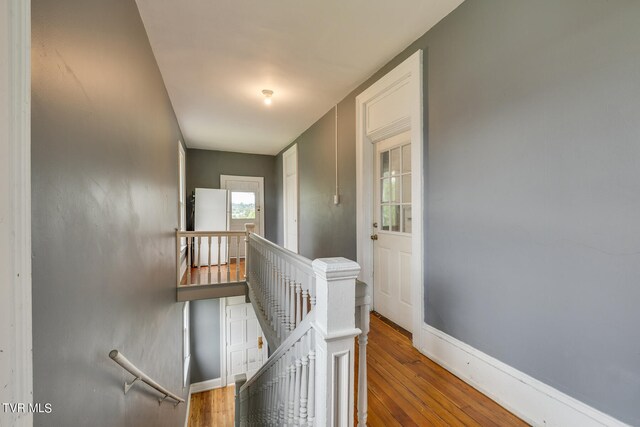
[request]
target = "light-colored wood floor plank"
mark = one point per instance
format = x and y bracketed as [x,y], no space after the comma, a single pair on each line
[213,408]
[214,275]
[392,360]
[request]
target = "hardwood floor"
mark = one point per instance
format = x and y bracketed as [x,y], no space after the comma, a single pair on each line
[209,275]
[405,388]
[213,408]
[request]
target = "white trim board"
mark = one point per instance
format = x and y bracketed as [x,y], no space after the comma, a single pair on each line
[390,106]
[206,385]
[534,401]
[16,363]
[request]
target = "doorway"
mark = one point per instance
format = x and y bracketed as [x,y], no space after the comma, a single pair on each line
[392,223]
[245,348]
[245,205]
[290,198]
[389,116]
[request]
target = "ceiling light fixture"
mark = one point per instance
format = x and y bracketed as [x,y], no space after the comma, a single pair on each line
[267,96]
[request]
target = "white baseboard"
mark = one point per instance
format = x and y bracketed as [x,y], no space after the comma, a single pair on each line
[534,401]
[206,385]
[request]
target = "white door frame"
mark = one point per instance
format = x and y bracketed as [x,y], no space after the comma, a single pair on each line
[293,151]
[260,181]
[390,106]
[224,380]
[16,363]
[223,342]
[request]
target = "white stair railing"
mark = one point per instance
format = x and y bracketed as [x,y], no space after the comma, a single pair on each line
[307,312]
[284,287]
[195,264]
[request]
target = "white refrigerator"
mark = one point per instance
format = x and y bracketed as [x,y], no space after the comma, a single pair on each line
[211,215]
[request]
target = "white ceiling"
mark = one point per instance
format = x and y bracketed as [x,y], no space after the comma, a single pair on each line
[216,56]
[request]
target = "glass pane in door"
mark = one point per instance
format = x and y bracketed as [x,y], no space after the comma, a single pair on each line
[406,188]
[395,189]
[395,161]
[406,158]
[406,219]
[385,189]
[384,164]
[243,205]
[386,217]
[395,217]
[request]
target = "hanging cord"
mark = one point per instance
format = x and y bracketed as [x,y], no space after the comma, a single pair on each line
[336,197]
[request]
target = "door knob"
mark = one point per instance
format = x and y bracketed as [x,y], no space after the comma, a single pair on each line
[374,237]
[259,343]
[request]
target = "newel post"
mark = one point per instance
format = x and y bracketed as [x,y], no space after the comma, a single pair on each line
[335,333]
[248,229]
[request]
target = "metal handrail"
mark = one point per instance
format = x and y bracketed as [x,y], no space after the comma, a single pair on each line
[133,370]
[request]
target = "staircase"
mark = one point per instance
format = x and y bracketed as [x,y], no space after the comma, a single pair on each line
[310,312]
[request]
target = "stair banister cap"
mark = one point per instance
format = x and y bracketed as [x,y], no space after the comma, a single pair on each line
[336,268]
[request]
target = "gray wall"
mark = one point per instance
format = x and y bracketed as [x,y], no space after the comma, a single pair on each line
[105,197]
[533,238]
[325,229]
[205,340]
[204,168]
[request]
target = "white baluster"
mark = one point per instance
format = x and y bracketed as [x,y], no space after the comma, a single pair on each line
[209,238]
[305,303]
[219,265]
[312,386]
[272,305]
[188,260]
[292,390]
[267,409]
[289,385]
[298,304]
[199,240]
[312,291]
[292,304]
[296,394]
[285,299]
[228,258]
[362,364]
[304,389]
[237,258]
[281,375]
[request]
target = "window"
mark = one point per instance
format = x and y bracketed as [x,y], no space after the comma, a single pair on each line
[395,189]
[186,342]
[243,205]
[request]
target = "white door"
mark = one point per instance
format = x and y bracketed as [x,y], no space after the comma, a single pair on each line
[392,230]
[290,197]
[246,346]
[246,201]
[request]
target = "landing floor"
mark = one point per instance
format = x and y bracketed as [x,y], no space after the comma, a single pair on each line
[213,275]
